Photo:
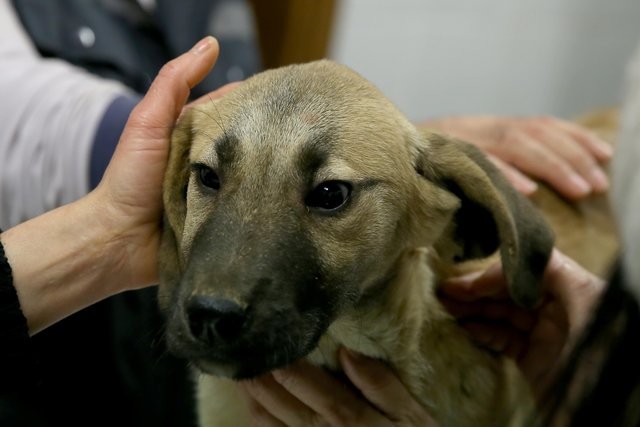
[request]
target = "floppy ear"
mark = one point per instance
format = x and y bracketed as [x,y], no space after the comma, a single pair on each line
[492,215]
[175,200]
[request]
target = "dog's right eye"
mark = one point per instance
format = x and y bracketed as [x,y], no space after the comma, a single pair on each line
[207,176]
[329,196]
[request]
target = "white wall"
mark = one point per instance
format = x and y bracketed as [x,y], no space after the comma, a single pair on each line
[438,57]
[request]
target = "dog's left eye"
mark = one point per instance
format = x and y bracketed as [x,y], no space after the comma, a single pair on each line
[207,177]
[329,195]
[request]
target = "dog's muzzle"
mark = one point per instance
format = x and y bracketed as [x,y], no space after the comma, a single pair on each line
[213,321]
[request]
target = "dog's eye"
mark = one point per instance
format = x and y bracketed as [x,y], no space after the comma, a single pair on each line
[329,196]
[207,177]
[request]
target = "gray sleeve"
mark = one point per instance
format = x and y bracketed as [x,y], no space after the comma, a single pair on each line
[49,113]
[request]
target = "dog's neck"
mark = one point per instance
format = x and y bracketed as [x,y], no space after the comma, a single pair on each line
[393,324]
[406,326]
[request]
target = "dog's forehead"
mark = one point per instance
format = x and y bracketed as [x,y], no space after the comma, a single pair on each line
[313,113]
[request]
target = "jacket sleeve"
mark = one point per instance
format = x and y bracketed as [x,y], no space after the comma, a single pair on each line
[50,113]
[18,367]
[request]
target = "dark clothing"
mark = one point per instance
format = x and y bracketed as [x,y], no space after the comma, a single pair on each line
[117,39]
[17,362]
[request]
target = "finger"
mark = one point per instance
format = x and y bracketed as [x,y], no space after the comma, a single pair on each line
[490,312]
[579,158]
[145,138]
[272,401]
[331,399]
[601,149]
[490,283]
[154,116]
[498,337]
[535,159]
[545,345]
[519,180]
[260,417]
[383,388]
[575,288]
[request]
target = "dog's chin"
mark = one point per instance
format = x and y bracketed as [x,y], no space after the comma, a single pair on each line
[240,362]
[250,356]
[254,366]
[216,369]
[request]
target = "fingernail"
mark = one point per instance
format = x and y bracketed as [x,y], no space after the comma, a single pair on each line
[465,279]
[579,184]
[203,45]
[528,187]
[605,149]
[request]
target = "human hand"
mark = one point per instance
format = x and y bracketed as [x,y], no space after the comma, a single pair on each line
[540,339]
[307,395]
[129,197]
[563,154]
[107,241]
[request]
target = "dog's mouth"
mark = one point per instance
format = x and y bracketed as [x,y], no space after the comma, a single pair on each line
[262,346]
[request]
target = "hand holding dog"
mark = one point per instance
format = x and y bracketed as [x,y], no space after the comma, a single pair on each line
[565,155]
[538,339]
[306,395]
[107,241]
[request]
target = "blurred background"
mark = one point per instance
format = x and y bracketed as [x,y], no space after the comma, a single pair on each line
[443,57]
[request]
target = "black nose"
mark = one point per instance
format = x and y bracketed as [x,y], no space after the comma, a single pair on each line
[212,320]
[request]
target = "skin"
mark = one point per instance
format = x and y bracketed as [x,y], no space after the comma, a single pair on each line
[568,157]
[539,340]
[116,227]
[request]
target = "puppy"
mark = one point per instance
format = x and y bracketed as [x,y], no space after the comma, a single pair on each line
[304,212]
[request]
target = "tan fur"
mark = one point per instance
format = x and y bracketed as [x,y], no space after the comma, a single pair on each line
[585,230]
[400,232]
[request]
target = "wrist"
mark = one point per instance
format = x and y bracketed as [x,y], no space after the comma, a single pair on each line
[62,261]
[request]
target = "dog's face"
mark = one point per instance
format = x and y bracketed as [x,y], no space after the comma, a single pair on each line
[292,197]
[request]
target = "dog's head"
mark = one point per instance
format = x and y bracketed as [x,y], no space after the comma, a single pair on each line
[293,196]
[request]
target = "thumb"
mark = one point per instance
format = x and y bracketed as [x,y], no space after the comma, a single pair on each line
[153,118]
[136,169]
[381,387]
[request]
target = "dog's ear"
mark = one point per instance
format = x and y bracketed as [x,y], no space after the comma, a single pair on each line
[492,215]
[175,188]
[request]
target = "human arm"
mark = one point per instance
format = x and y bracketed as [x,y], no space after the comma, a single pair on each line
[107,241]
[56,120]
[563,154]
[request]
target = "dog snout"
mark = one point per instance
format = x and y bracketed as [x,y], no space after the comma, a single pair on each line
[214,320]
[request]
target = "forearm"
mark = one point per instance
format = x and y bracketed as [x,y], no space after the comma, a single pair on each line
[62,261]
[50,114]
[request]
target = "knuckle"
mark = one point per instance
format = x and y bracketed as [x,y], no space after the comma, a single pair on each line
[170,69]
[287,379]
[544,120]
[342,414]
[512,138]
[255,390]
